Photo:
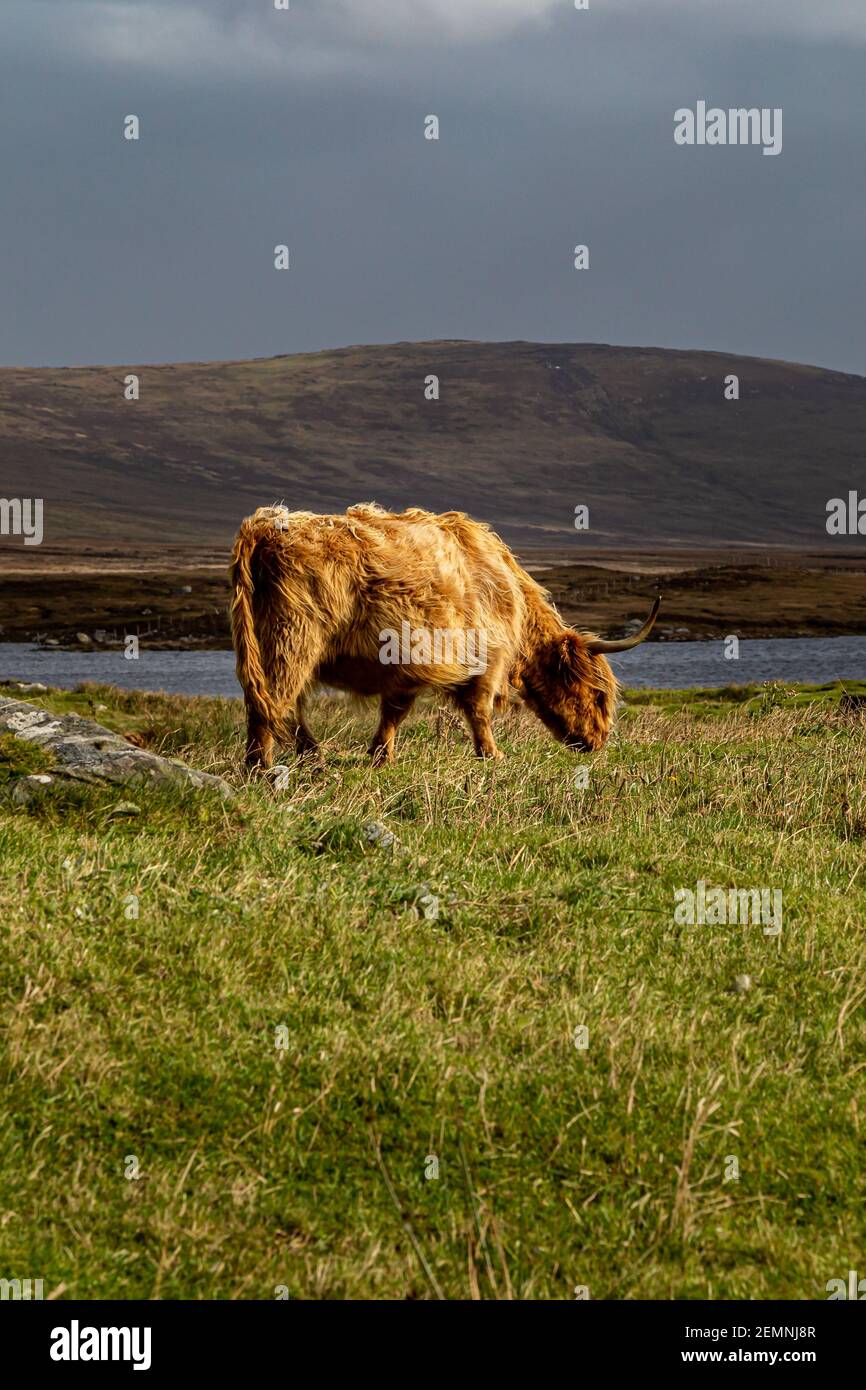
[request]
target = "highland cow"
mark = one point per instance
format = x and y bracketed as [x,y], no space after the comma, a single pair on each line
[316,596]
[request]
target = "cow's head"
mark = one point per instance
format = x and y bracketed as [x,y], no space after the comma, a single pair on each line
[568,683]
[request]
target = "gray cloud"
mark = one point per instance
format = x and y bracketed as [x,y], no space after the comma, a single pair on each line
[557,126]
[319,37]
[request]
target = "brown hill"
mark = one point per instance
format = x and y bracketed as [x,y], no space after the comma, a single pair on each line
[522,433]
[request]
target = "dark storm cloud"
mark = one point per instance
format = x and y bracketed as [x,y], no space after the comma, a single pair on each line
[260,127]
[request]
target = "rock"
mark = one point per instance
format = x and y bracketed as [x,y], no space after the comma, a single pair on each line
[31,687]
[375,833]
[428,904]
[83,638]
[743,983]
[28,788]
[87,752]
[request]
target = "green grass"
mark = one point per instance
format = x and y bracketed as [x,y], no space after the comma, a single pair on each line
[21,759]
[408,1035]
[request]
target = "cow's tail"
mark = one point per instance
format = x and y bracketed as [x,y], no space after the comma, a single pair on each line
[250,671]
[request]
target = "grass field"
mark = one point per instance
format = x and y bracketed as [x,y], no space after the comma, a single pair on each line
[304,1020]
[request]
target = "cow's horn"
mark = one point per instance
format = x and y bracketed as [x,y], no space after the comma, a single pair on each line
[598,647]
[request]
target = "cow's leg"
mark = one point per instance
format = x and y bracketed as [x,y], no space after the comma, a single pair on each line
[260,740]
[306,743]
[475,699]
[292,720]
[288,688]
[393,712]
[292,657]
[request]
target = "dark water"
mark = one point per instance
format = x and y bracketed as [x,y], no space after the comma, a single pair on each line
[672,665]
[680,665]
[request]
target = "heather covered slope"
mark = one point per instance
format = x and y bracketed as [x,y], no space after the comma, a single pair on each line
[521,434]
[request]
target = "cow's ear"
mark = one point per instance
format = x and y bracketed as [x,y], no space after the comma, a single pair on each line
[570,656]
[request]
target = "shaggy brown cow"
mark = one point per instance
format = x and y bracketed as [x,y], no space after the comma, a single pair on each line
[383,603]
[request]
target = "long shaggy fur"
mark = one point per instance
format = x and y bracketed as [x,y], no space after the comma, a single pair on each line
[312,594]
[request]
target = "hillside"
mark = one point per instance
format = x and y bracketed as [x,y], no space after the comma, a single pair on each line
[521,434]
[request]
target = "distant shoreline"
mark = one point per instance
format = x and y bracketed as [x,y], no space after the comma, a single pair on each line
[173,602]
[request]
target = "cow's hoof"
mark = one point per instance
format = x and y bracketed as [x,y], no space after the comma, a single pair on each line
[312,754]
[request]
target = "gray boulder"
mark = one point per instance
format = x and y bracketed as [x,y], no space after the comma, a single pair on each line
[87,752]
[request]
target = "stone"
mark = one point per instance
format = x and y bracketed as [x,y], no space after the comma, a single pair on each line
[26,789]
[375,833]
[86,752]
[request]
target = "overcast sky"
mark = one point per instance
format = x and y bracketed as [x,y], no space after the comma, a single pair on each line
[261,127]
